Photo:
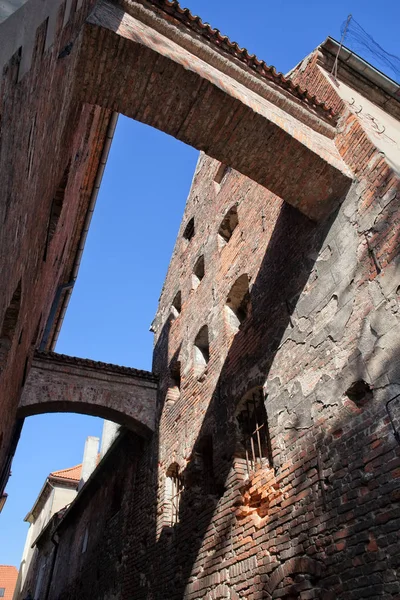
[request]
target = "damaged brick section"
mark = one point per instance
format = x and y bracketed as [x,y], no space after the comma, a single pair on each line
[207,510]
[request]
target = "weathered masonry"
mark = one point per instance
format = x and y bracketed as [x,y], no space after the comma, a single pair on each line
[272,471]
[58,383]
[68,67]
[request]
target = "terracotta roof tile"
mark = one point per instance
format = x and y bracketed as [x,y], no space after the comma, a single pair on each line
[195,23]
[8,580]
[71,474]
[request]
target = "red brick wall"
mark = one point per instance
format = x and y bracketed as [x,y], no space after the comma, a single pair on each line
[330,509]
[42,131]
[323,521]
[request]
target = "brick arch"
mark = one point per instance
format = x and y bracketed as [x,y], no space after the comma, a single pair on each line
[58,383]
[197,101]
[293,566]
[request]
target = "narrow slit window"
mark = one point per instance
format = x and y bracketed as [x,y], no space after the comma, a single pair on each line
[174,384]
[174,485]
[56,209]
[237,303]
[9,325]
[116,498]
[85,541]
[203,458]
[202,348]
[228,226]
[221,171]
[198,272]
[254,436]
[188,232]
[177,304]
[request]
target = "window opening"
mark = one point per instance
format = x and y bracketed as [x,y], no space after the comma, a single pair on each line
[203,458]
[198,272]
[360,393]
[85,540]
[189,230]
[9,326]
[2,592]
[175,482]
[202,348]
[175,374]
[238,303]
[56,209]
[220,173]
[174,384]
[116,499]
[228,226]
[253,426]
[177,304]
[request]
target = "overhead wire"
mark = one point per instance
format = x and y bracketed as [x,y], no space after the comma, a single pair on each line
[354,37]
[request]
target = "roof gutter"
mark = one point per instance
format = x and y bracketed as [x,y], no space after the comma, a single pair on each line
[92,203]
[362,67]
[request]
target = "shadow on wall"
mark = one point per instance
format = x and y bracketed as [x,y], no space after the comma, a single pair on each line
[325,477]
[282,275]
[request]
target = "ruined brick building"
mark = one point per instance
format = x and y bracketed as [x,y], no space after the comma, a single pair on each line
[259,458]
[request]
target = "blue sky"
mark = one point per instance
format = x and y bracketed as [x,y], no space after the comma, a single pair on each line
[134,227]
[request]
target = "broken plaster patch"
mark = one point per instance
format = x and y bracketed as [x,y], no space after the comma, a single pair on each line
[308,380]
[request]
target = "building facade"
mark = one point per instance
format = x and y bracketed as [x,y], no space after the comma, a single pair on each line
[8,579]
[273,470]
[58,491]
[270,465]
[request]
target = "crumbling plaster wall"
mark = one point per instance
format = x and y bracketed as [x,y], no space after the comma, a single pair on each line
[324,314]
[323,522]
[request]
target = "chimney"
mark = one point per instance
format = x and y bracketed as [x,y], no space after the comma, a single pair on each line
[89,461]
[110,432]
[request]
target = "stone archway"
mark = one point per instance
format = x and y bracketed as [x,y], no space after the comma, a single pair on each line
[58,383]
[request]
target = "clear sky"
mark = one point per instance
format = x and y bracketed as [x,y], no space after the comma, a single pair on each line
[135,224]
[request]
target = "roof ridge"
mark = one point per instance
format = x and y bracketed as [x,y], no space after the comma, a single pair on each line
[67,469]
[194,22]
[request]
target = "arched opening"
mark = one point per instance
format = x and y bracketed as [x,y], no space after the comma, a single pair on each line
[237,303]
[204,464]
[253,441]
[173,493]
[221,171]
[176,306]
[198,272]
[201,349]
[228,226]
[9,325]
[174,384]
[189,230]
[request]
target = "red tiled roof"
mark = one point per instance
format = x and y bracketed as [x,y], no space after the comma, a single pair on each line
[195,23]
[8,580]
[71,474]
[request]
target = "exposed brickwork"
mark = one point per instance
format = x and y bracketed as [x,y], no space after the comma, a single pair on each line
[319,516]
[58,383]
[51,132]
[323,521]
[56,103]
